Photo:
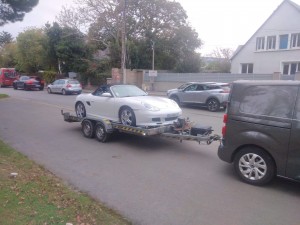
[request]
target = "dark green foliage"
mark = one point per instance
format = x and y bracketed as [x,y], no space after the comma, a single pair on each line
[14,10]
[5,38]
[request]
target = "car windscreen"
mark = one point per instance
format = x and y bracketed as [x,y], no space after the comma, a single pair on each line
[127,91]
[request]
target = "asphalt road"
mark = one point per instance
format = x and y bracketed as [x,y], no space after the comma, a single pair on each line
[151,181]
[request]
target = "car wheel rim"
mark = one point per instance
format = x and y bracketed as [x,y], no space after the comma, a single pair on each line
[126,117]
[252,166]
[212,105]
[80,110]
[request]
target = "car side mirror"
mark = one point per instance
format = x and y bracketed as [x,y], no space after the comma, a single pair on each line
[106,94]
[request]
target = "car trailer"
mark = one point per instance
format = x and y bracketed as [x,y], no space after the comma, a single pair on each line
[181,130]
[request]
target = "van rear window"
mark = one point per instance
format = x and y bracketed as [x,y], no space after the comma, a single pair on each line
[275,101]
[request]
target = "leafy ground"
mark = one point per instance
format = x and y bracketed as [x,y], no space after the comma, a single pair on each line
[36,196]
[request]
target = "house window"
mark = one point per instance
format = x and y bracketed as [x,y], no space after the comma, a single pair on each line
[291,68]
[271,42]
[283,41]
[247,67]
[260,43]
[295,40]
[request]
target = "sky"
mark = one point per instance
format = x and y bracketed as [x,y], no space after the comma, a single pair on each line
[219,23]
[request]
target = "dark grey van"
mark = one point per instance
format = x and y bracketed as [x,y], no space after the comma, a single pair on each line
[261,133]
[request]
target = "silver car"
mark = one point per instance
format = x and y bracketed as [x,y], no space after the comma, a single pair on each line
[213,95]
[65,86]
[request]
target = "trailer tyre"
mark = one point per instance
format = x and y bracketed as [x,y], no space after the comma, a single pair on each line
[87,128]
[101,133]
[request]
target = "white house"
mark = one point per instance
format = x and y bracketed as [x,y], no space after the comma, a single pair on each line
[274,47]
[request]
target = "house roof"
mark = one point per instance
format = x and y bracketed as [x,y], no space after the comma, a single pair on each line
[240,47]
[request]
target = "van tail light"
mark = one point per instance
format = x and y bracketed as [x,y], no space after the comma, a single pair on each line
[225,119]
[69,85]
[224,130]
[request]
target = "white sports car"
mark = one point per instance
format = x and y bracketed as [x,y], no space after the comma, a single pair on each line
[127,104]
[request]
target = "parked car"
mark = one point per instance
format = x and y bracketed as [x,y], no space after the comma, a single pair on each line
[65,86]
[261,131]
[127,104]
[29,83]
[210,94]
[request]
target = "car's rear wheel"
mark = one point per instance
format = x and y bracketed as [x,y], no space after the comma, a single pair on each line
[80,110]
[49,90]
[176,99]
[87,128]
[15,86]
[100,133]
[127,116]
[254,166]
[213,105]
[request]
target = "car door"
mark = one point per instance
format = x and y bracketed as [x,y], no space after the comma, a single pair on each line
[102,106]
[189,93]
[60,86]
[54,86]
[293,163]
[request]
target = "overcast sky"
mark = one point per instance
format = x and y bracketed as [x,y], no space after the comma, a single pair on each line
[219,23]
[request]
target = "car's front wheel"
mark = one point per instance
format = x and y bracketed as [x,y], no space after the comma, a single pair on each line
[15,86]
[176,99]
[80,110]
[254,166]
[213,105]
[127,116]
[49,90]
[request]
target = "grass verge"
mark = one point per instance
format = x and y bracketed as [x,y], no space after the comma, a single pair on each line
[3,96]
[36,196]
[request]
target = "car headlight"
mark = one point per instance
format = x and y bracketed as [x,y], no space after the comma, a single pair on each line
[150,107]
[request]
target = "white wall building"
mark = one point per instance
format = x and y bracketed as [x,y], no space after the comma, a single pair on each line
[274,47]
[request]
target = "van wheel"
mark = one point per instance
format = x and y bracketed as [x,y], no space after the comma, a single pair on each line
[254,166]
[213,105]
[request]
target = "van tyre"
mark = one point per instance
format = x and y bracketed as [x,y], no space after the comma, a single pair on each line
[87,128]
[213,105]
[101,133]
[254,166]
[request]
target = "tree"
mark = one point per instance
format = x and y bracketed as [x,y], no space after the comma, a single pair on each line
[160,21]
[8,55]
[31,51]
[5,38]
[12,11]
[221,62]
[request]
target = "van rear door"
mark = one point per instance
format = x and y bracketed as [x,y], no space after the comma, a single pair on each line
[293,164]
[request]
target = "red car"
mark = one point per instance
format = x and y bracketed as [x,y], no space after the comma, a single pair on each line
[29,83]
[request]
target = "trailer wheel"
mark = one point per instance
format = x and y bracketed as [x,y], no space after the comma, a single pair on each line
[87,128]
[100,133]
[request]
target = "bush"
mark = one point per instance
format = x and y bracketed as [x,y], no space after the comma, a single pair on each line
[49,76]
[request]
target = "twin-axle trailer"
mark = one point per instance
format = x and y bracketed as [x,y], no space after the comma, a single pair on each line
[183,129]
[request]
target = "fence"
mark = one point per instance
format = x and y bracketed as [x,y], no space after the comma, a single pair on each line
[165,81]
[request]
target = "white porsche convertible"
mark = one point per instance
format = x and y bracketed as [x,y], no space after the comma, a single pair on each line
[127,104]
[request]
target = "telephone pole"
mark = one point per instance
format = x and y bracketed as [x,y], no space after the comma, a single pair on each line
[123,53]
